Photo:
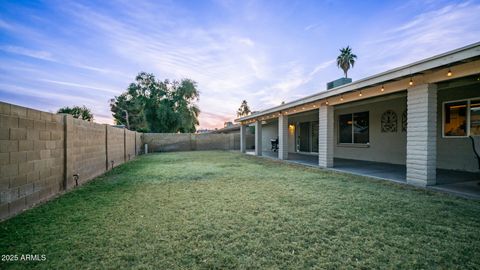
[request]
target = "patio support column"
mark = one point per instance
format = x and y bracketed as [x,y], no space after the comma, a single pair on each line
[325,136]
[243,138]
[258,138]
[422,135]
[283,137]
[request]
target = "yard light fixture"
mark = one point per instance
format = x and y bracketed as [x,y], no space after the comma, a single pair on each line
[410,82]
[449,73]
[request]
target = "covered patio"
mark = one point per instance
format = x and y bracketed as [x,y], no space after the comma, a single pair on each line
[460,183]
[418,124]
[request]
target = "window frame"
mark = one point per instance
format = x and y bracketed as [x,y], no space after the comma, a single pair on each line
[352,143]
[468,114]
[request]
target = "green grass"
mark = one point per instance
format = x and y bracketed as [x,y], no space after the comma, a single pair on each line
[226,210]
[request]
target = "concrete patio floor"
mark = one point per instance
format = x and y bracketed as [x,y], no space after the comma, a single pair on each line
[465,184]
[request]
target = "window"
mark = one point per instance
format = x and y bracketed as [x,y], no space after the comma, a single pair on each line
[475,117]
[461,118]
[455,119]
[353,128]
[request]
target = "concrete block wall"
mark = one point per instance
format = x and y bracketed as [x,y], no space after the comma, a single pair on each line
[31,157]
[283,137]
[422,135]
[325,136]
[169,142]
[138,143]
[130,144]
[88,150]
[40,152]
[115,146]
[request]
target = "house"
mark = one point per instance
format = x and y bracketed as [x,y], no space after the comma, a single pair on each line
[415,123]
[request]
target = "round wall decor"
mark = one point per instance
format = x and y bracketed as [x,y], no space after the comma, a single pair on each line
[389,121]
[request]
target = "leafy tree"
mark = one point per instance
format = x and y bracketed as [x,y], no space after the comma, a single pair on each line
[346,59]
[156,106]
[244,110]
[82,112]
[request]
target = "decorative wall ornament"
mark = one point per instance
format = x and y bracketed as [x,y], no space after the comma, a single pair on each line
[404,121]
[389,121]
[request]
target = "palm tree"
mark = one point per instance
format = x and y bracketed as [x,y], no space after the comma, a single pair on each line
[346,59]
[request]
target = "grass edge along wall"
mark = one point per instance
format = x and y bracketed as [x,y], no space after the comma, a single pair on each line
[41,154]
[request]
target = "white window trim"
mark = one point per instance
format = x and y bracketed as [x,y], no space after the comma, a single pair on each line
[353,143]
[469,101]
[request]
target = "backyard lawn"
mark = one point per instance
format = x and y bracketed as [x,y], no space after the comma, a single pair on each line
[227,210]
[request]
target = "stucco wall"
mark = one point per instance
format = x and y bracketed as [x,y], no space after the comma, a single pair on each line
[383,147]
[455,153]
[269,132]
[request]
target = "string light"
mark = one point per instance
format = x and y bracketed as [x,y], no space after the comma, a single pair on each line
[449,73]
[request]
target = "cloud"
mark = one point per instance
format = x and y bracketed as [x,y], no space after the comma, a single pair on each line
[79,85]
[42,55]
[311,26]
[435,31]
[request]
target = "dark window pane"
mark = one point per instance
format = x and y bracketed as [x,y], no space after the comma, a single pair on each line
[455,119]
[360,125]
[345,128]
[475,117]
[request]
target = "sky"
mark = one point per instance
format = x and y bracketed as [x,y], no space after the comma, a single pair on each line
[65,53]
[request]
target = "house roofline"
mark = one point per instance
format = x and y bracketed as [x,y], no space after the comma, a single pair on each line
[409,70]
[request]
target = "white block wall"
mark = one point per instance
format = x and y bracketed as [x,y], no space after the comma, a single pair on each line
[283,137]
[421,135]
[258,138]
[243,138]
[325,136]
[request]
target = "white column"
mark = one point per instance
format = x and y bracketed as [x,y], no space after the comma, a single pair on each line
[283,137]
[422,135]
[325,136]
[243,138]
[258,138]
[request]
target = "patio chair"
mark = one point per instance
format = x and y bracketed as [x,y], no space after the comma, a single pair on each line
[274,145]
[475,151]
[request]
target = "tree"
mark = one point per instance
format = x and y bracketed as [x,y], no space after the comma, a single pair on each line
[346,59]
[244,110]
[156,106]
[82,112]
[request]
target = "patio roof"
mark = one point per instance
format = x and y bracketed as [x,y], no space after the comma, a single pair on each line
[430,70]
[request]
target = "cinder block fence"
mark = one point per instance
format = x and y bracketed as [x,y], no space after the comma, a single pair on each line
[42,153]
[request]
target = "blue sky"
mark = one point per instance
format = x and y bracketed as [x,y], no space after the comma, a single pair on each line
[58,53]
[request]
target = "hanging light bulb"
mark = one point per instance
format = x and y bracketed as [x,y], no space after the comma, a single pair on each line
[382,89]
[410,82]
[341,98]
[326,102]
[360,94]
[449,73]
